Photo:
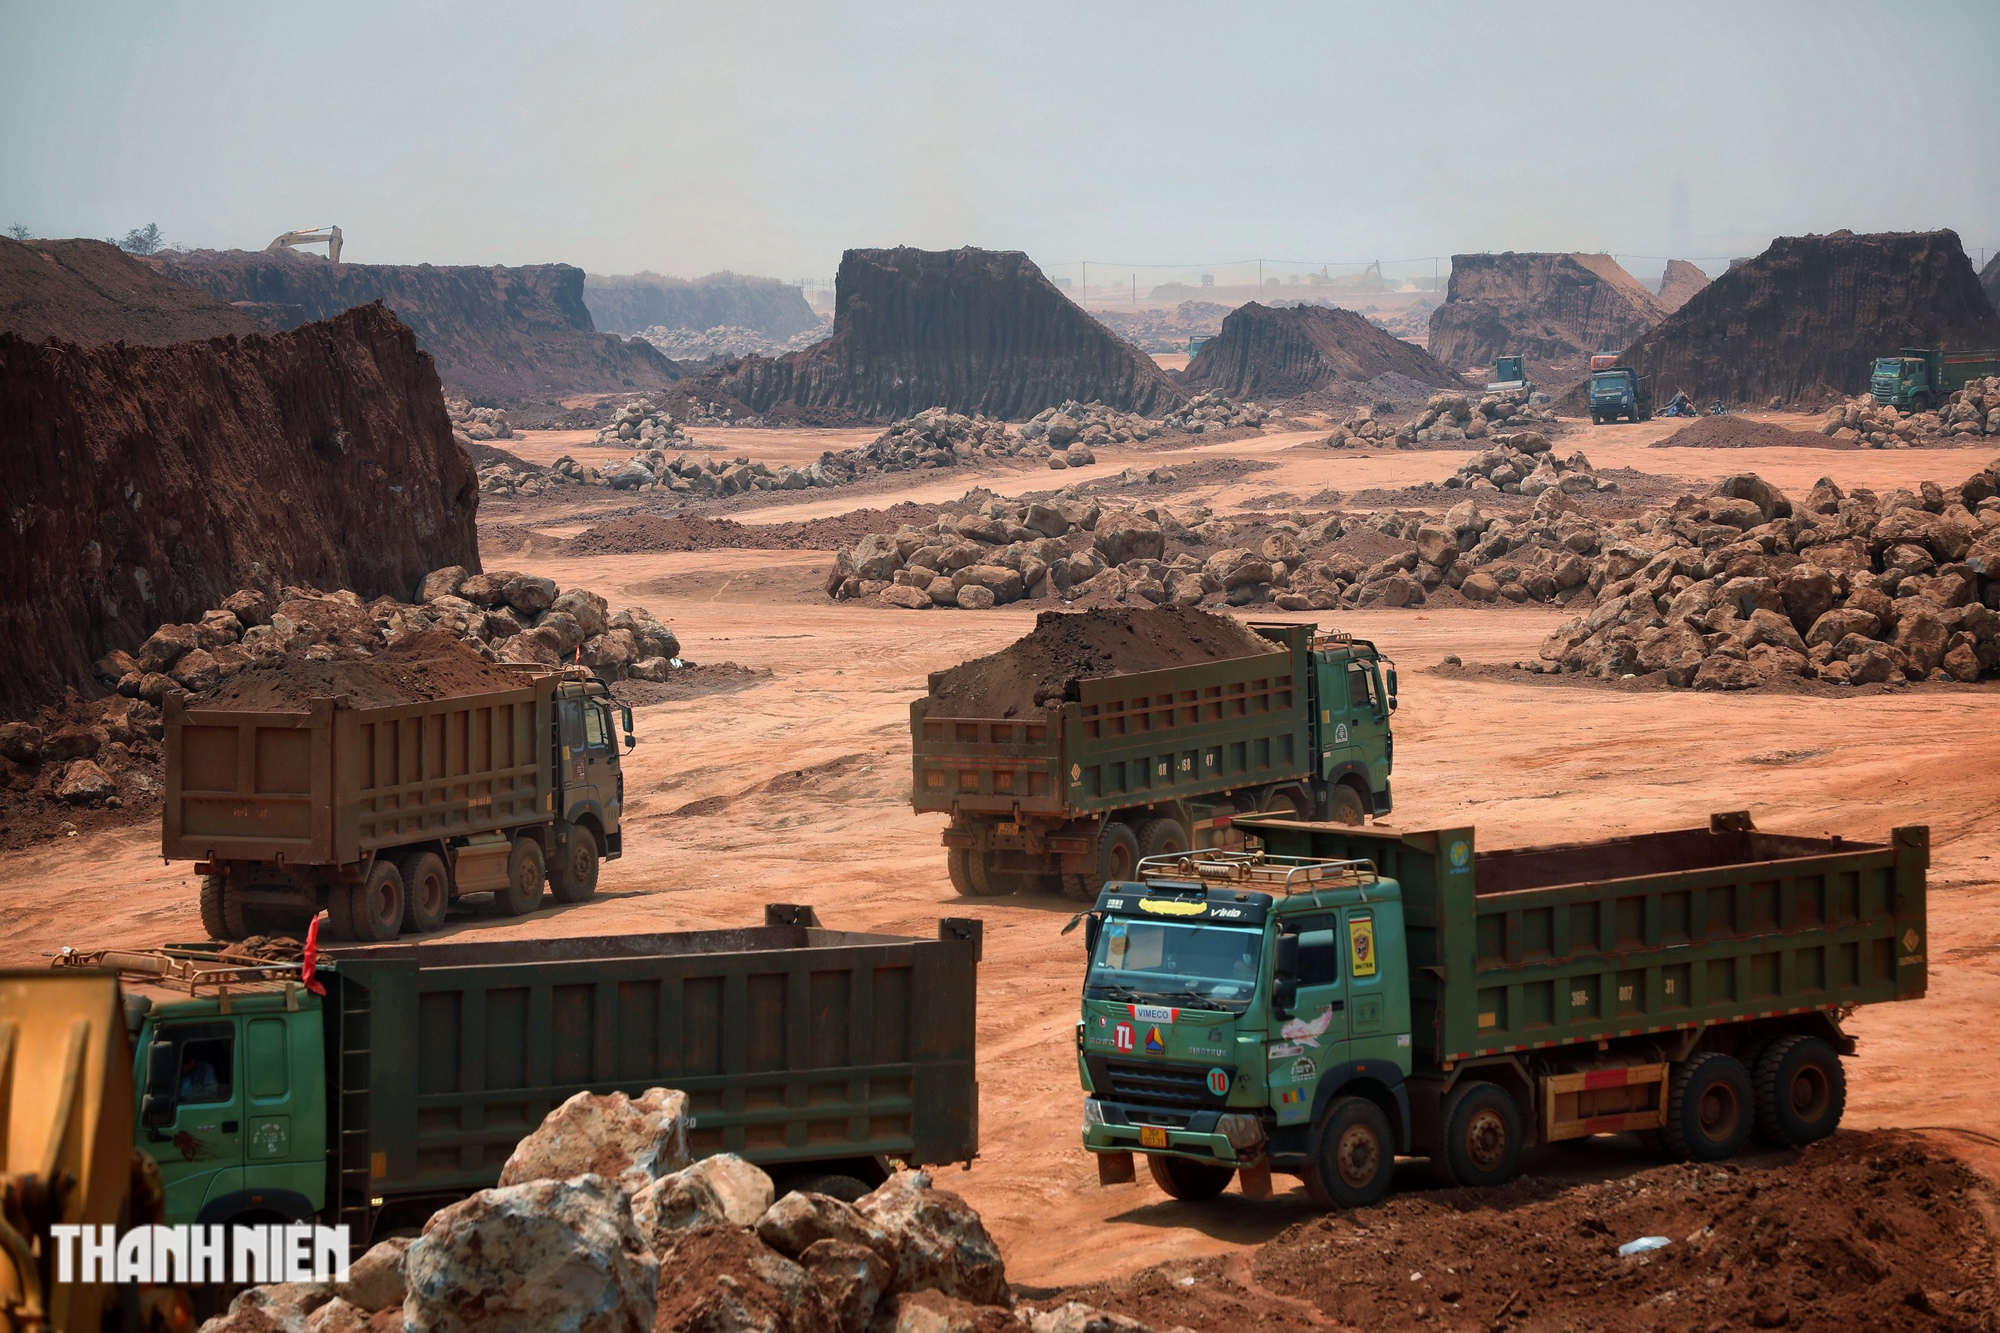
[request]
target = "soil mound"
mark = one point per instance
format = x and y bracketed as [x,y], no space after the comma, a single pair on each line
[633,303]
[149,483]
[420,668]
[1863,1230]
[1679,283]
[978,332]
[1067,647]
[1804,321]
[1555,309]
[1741,433]
[504,334]
[89,292]
[1281,353]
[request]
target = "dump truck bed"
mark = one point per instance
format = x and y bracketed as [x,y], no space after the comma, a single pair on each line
[1527,948]
[1128,739]
[793,1043]
[325,784]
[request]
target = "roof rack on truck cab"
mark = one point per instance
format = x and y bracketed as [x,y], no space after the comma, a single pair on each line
[1288,874]
[217,968]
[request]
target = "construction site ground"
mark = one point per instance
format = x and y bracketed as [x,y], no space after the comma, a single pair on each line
[793,787]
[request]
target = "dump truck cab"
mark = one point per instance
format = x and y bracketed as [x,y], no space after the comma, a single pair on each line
[1231,999]
[1617,391]
[587,762]
[1354,691]
[1900,381]
[1920,378]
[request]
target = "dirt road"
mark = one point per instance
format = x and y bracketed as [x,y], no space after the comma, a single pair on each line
[795,789]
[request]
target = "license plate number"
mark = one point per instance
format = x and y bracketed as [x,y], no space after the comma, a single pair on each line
[1012,830]
[1151,1136]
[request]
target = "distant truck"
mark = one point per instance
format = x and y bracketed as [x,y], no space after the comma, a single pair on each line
[1157,762]
[817,1054]
[1919,378]
[1509,373]
[1333,998]
[1620,391]
[383,815]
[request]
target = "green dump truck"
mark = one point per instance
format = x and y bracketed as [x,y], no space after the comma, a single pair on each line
[1920,378]
[384,813]
[1156,762]
[818,1054]
[1335,997]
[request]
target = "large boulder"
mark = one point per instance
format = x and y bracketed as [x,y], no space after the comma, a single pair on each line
[530,594]
[876,556]
[852,1279]
[168,644]
[634,1141]
[442,583]
[802,1219]
[941,1243]
[723,1190]
[557,1255]
[586,608]
[1770,501]
[723,1279]
[1123,537]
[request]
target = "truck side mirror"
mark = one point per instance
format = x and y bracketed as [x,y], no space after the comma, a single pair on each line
[1284,997]
[156,1109]
[630,739]
[1286,962]
[1392,689]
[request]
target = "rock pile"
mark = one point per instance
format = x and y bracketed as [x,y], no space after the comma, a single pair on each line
[1212,411]
[602,1224]
[1089,424]
[1445,418]
[99,754]
[478,423]
[1744,587]
[502,615]
[1965,415]
[645,425]
[1524,464]
[726,340]
[933,438]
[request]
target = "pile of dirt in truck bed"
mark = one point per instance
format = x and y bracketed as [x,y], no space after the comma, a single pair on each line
[1742,433]
[1864,1230]
[418,669]
[89,292]
[1065,647]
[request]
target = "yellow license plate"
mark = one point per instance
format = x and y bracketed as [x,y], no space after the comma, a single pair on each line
[1010,829]
[1152,1137]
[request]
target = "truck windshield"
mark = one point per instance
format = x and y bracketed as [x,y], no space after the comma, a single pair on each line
[1607,384]
[1888,366]
[1200,966]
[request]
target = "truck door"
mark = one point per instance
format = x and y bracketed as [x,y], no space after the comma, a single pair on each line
[1366,733]
[590,759]
[1314,1038]
[200,1148]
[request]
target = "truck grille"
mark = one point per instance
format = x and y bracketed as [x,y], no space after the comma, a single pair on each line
[1159,1085]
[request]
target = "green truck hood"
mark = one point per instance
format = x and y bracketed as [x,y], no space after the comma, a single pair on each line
[1162,1032]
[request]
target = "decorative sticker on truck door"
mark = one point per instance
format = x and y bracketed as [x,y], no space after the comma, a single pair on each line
[1361,945]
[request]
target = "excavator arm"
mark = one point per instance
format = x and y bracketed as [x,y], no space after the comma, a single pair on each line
[328,236]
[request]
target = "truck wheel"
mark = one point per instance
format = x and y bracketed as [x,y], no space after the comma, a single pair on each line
[1482,1135]
[1708,1109]
[426,891]
[1801,1091]
[525,872]
[988,882]
[1180,1178]
[956,863]
[1117,858]
[221,917]
[372,911]
[573,877]
[1162,837]
[1346,806]
[847,1189]
[1352,1158]
[1285,803]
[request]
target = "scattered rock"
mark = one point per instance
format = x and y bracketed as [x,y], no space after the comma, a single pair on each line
[634,1141]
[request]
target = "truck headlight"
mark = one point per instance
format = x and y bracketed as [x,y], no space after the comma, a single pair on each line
[1093,1111]
[1242,1131]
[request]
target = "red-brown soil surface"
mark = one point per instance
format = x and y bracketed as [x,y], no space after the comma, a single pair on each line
[89,292]
[417,669]
[1679,283]
[1744,433]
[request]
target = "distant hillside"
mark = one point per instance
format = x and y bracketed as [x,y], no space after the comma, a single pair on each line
[633,303]
[1264,352]
[1555,309]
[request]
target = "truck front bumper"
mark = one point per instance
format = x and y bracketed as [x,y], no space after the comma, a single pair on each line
[1111,1127]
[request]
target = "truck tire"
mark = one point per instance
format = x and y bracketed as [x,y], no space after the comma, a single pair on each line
[1162,837]
[1482,1135]
[1117,857]
[1801,1091]
[525,872]
[426,892]
[956,863]
[989,882]
[370,912]
[221,915]
[1346,806]
[1285,803]
[1352,1158]
[847,1189]
[573,875]
[1180,1178]
[1709,1109]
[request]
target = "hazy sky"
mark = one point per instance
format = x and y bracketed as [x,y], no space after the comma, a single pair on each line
[768,137]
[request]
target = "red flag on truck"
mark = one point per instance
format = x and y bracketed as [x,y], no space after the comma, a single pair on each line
[309,963]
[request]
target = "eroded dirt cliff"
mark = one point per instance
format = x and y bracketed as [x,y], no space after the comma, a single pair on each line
[1555,309]
[501,334]
[89,292]
[1264,352]
[144,485]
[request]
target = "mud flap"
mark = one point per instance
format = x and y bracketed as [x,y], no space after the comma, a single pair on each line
[1255,1180]
[1115,1168]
